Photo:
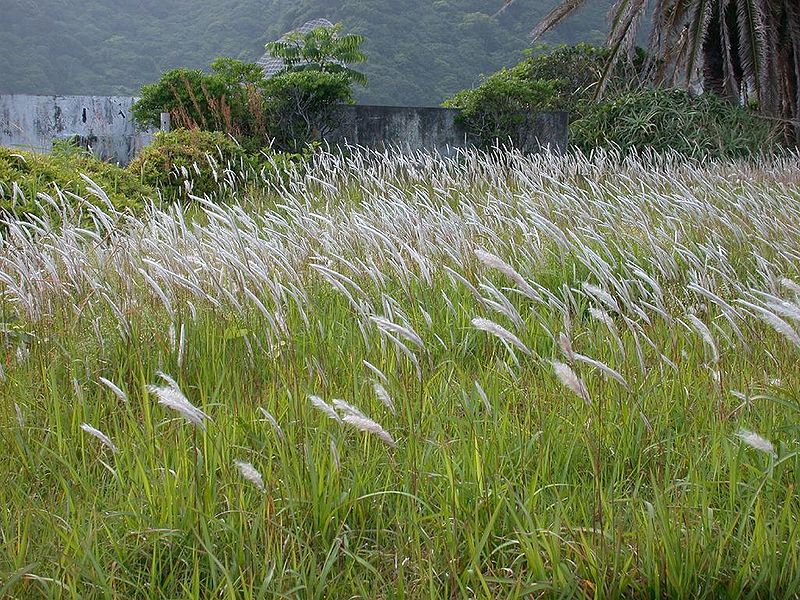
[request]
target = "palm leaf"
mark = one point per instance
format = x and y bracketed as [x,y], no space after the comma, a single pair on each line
[555,16]
[751,44]
[503,8]
[625,17]
[730,83]
[696,34]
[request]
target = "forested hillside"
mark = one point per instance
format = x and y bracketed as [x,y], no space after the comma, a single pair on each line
[419,51]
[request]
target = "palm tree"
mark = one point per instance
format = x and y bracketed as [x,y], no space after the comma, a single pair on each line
[745,50]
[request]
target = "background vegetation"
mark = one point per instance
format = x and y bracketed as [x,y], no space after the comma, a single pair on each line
[631,114]
[67,175]
[420,52]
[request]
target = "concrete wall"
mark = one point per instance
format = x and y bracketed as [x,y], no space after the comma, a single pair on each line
[434,129]
[105,124]
[102,122]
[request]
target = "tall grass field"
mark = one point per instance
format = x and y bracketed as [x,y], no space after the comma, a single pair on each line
[393,376]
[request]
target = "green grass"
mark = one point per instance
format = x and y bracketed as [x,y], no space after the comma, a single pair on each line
[488,498]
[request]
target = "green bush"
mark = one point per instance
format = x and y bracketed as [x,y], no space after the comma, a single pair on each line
[670,119]
[187,161]
[578,70]
[559,79]
[500,108]
[301,106]
[204,163]
[24,175]
[301,100]
[229,99]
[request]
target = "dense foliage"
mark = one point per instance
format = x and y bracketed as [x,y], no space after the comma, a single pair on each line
[672,119]
[578,69]
[288,111]
[26,176]
[301,106]
[301,100]
[227,99]
[560,78]
[324,49]
[628,116]
[420,51]
[166,164]
[205,163]
[747,51]
[501,107]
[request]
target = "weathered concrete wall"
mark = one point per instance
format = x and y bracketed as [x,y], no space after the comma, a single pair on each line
[434,129]
[103,123]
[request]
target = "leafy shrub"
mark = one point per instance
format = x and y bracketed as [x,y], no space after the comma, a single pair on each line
[24,175]
[202,163]
[579,70]
[293,108]
[229,99]
[301,106]
[671,119]
[188,155]
[500,108]
[562,79]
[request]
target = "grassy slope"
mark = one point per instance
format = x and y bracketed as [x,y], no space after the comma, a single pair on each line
[492,490]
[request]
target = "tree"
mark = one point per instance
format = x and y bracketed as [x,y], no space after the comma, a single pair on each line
[745,50]
[302,99]
[321,49]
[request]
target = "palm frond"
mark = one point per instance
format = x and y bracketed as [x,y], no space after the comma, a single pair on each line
[751,44]
[622,35]
[503,8]
[555,16]
[696,35]
[729,81]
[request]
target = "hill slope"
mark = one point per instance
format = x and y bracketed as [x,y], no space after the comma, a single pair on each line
[420,51]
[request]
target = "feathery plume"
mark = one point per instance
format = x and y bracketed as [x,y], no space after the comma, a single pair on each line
[116,390]
[791,285]
[347,409]
[600,315]
[406,332]
[273,422]
[378,373]
[320,404]
[500,332]
[335,455]
[104,439]
[778,324]
[571,380]
[172,397]
[172,383]
[601,295]
[705,333]
[754,440]
[368,425]
[495,262]
[383,396]
[604,368]
[566,346]
[250,473]
[484,398]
